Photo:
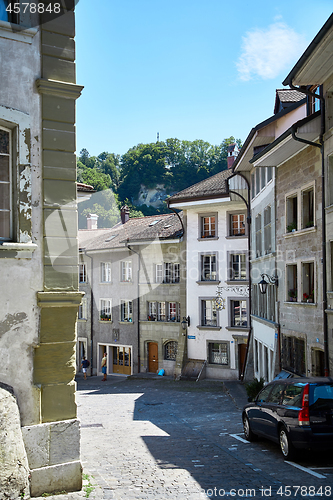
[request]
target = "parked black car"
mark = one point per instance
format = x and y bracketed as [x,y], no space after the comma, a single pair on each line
[297,413]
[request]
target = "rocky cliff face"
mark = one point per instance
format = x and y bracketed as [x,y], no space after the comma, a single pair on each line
[151,197]
[14,469]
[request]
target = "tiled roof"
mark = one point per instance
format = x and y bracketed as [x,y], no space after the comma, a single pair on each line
[288,95]
[213,187]
[86,188]
[164,226]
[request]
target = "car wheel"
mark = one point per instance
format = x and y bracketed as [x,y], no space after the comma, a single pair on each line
[247,430]
[287,449]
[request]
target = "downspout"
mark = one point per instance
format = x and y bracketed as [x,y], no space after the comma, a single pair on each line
[248,220]
[91,314]
[323,212]
[131,250]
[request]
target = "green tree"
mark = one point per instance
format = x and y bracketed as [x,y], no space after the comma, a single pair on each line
[93,177]
[103,203]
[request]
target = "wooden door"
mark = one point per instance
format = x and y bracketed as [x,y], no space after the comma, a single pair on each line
[122,360]
[241,358]
[152,357]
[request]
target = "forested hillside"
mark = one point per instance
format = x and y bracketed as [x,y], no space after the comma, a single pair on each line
[162,168]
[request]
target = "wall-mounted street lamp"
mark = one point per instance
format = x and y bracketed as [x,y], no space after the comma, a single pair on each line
[263,283]
[185,322]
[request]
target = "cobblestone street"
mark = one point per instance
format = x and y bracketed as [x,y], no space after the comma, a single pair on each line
[160,439]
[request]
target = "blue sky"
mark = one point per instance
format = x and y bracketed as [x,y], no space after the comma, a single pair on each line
[191,69]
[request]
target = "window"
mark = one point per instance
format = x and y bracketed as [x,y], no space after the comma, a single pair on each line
[293,355]
[82,273]
[7,16]
[170,350]
[292,395]
[257,180]
[267,230]
[172,311]
[105,309]
[291,210]
[269,174]
[218,353]
[307,208]
[83,309]
[308,281]
[208,226]
[5,186]
[237,266]
[126,270]
[313,102]
[239,313]
[258,236]
[152,311]
[126,310]
[292,284]
[237,224]
[160,311]
[105,272]
[159,273]
[208,268]
[262,177]
[208,313]
[253,186]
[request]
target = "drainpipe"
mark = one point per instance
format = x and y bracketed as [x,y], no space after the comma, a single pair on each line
[91,314]
[323,212]
[248,220]
[131,250]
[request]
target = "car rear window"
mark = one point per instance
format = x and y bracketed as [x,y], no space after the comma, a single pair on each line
[292,395]
[321,394]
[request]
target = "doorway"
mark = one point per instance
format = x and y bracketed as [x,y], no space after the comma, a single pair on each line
[318,363]
[241,358]
[152,357]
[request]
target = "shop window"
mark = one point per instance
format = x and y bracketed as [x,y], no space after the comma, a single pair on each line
[218,353]
[170,350]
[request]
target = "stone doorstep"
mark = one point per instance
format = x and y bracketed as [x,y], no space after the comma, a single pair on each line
[63,477]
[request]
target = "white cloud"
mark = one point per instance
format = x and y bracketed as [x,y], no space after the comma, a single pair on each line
[267,52]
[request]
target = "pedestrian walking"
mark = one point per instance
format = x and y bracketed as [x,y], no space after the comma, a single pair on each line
[103,365]
[85,365]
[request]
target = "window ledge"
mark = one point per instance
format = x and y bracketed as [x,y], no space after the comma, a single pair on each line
[107,282]
[208,238]
[17,32]
[217,365]
[21,250]
[126,322]
[208,282]
[241,328]
[206,327]
[105,321]
[240,237]
[299,232]
[238,282]
[287,302]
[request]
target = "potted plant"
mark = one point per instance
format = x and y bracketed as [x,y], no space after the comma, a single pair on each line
[309,224]
[291,227]
[292,294]
[310,297]
[305,297]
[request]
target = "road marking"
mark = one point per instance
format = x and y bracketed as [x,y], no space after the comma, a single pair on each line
[236,436]
[305,469]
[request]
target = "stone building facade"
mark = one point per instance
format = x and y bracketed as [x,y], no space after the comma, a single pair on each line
[38,247]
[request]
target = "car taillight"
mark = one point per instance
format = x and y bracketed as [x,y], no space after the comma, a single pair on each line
[303,414]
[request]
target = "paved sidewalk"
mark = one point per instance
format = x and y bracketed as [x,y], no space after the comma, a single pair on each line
[234,392]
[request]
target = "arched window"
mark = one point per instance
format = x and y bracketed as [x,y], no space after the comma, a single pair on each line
[170,352]
[3,13]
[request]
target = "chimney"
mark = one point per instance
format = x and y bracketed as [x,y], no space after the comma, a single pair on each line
[232,154]
[92,221]
[124,212]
